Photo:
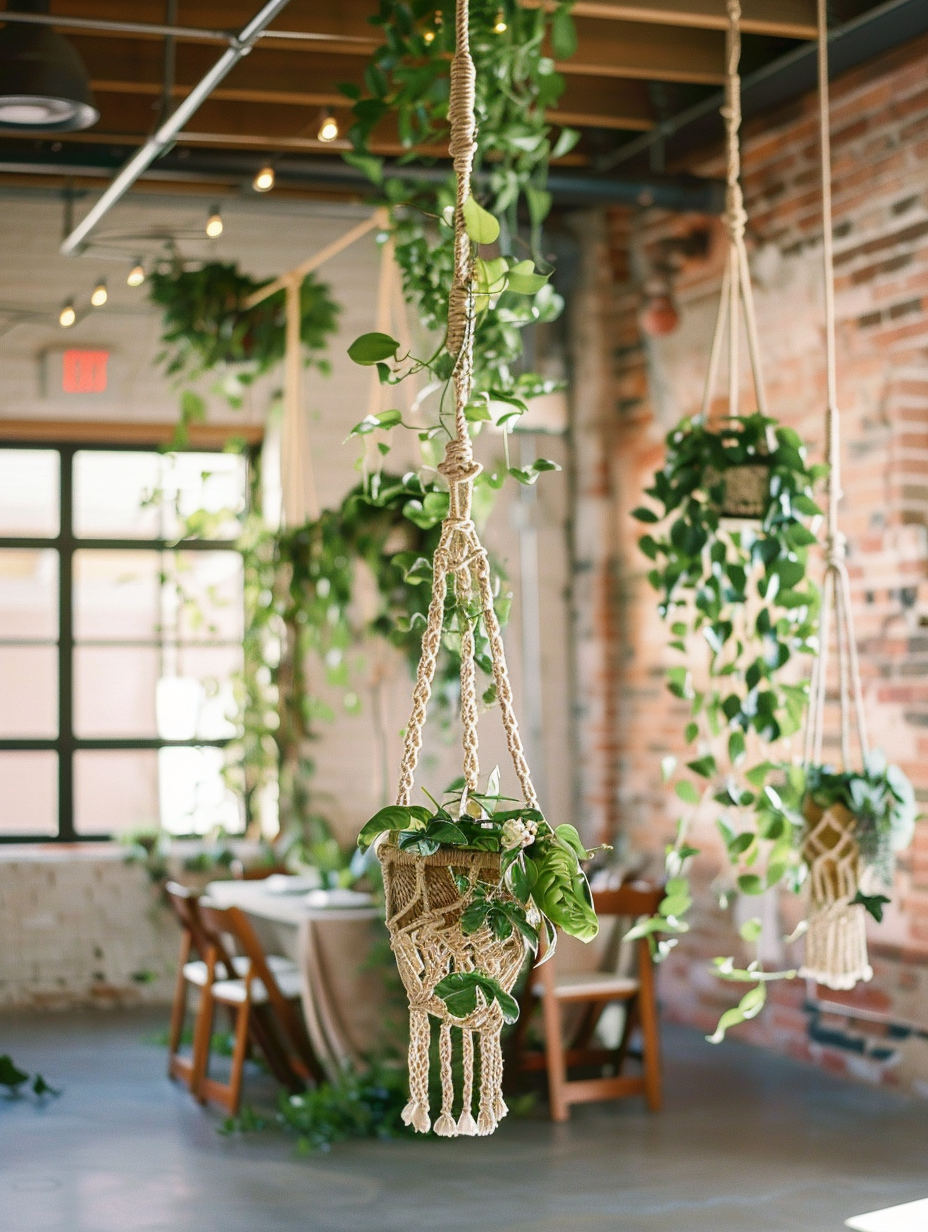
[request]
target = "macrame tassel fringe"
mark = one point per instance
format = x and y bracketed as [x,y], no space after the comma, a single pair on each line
[467,1126]
[836,946]
[491,1082]
[446,1126]
[416,1112]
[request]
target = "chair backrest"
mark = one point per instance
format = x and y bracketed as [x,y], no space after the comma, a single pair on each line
[634,898]
[186,904]
[234,923]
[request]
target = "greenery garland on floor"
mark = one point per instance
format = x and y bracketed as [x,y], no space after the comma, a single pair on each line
[516,81]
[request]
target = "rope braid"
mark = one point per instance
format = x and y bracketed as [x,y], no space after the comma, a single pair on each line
[836,941]
[424,901]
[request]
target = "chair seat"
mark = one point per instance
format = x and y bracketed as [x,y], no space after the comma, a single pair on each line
[597,985]
[232,992]
[196,972]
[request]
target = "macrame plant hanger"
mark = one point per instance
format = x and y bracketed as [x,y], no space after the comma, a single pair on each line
[836,940]
[746,487]
[424,901]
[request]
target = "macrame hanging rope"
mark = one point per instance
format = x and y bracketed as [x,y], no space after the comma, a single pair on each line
[737,299]
[836,943]
[424,900]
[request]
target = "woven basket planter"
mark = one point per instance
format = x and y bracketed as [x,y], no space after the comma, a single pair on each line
[747,491]
[424,908]
[836,940]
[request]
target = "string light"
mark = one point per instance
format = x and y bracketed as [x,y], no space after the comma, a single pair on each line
[214,223]
[328,129]
[67,316]
[429,36]
[136,275]
[99,296]
[264,180]
[499,26]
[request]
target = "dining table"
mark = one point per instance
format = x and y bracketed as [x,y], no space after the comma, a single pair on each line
[329,934]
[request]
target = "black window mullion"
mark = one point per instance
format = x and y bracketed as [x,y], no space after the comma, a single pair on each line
[66,830]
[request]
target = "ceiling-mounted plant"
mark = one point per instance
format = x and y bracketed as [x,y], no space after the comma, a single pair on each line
[206,327]
[516,82]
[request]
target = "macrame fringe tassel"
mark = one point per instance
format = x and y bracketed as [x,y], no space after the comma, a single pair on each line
[836,946]
[416,1112]
[467,1126]
[446,1126]
[492,1104]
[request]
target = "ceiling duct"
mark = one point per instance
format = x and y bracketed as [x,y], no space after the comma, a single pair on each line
[44,85]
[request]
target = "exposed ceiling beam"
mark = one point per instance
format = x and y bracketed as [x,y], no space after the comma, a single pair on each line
[646,52]
[778,18]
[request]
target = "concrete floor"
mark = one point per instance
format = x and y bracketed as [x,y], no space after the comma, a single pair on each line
[748,1143]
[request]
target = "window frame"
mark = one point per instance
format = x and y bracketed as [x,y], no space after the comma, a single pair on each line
[66,744]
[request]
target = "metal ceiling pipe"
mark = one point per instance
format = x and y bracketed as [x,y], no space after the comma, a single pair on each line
[198,34]
[167,131]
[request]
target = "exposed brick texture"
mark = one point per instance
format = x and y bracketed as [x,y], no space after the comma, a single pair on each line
[628,720]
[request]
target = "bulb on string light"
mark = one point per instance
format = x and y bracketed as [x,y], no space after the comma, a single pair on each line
[428,36]
[264,180]
[67,316]
[136,275]
[214,223]
[328,129]
[499,26]
[99,296]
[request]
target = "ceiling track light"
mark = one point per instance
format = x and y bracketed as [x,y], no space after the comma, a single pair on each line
[67,316]
[328,127]
[214,223]
[264,180]
[99,294]
[136,275]
[44,86]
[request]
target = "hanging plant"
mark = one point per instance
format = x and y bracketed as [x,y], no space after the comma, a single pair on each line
[516,82]
[207,327]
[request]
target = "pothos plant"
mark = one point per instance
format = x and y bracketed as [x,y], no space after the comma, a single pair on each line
[542,884]
[494,277]
[206,327]
[742,615]
[514,50]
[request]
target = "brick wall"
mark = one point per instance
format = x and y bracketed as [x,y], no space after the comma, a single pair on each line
[642,386]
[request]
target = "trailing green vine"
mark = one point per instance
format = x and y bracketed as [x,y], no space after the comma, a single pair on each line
[407,82]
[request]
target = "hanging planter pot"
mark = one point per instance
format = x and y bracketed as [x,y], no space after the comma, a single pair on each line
[855,823]
[747,491]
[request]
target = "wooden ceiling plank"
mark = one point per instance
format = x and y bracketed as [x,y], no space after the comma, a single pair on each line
[778,18]
[646,52]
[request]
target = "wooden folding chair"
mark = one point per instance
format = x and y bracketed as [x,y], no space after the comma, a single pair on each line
[263,1003]
[197,938]
[596,990]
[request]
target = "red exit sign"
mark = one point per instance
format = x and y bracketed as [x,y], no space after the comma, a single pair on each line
[84,372]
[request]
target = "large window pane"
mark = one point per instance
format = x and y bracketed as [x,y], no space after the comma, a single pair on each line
[28,593]
[113,495]
[127,495]
[115,792]
[194,796]
[114,691]
[29,492]
[117,595]
[28,793]
[28,692]
[208,586]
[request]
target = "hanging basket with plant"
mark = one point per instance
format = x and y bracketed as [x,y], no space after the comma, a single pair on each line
[469,885]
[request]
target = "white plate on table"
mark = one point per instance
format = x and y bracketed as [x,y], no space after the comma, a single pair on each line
[289,883]
[321,899]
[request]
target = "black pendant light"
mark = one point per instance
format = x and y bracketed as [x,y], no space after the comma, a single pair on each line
[44,85]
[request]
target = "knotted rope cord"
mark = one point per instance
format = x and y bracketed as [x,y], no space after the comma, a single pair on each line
[737,297]
[836,587]
[459,551]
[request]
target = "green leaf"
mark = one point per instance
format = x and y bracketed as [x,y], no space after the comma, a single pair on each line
[10,1075]
[687,792]
[751,930]
[872,903]
[703,766]
[393,817]
[481,226]
[750,883]
[748,1007]
[736,746]
[477,412]
[645,515]
[566,140]
[373,348]
[459,993]
[524,280]
[563,33]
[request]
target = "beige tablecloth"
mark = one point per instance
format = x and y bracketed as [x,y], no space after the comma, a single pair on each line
[341,1000]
